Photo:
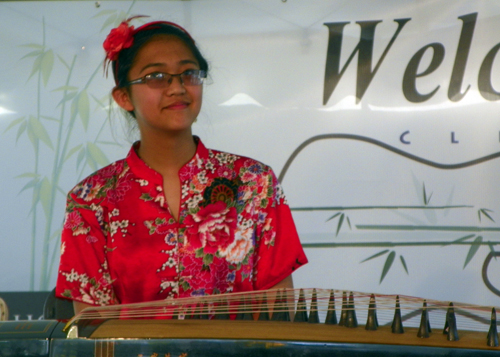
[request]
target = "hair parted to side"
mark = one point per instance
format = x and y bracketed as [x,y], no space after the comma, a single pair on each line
[124,54]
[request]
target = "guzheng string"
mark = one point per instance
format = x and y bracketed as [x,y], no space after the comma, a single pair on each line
[312,302]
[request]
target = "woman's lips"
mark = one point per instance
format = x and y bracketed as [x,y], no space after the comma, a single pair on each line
[177,106]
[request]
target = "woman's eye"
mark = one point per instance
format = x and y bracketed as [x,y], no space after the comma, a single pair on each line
[156,76]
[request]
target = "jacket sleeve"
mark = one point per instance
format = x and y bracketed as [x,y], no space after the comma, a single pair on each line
[83,271]
[278,248]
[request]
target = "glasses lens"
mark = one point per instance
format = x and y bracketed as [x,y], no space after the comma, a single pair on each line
[157,80]
[192,77]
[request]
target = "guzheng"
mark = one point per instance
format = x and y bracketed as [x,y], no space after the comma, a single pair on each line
[310,322]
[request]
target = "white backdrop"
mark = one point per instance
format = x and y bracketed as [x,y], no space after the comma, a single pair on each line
[406,185]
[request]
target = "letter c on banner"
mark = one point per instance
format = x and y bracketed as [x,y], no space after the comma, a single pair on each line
[402,138]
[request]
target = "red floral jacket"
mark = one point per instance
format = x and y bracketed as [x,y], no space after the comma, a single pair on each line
[120,243]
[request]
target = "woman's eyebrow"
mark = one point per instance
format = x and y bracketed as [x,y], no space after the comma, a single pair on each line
[161,64]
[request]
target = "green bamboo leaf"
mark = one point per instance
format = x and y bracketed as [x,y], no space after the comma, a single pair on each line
[30,184]
[473,250]
[36,196]
[91,163]
[21,130]
[45,196]
[65,88]
[80,157]
[348,222]
[47,65]
[425,195]
[33,138]
[39,131]
[61,191]
[84,108]
[55,235]
[109,21]
[387,265]
[339,225]
[108,143]
[97,154]
[74,106]
[33,45]
[72,151]
[63,62]
[332,217]
[103,13]
[49,118]
[460,239]
[33,54]
[102,102]
[375,255]
[485,212]
[403,262]
[36,66]
[14,123]
[28,174]
[68,96]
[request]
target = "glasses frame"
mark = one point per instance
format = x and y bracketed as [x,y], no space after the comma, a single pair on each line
[201,74]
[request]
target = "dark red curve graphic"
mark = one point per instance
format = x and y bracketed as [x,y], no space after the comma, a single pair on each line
[485,272]
[437,165]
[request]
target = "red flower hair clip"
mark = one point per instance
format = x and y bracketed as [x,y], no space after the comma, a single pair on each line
[118,39]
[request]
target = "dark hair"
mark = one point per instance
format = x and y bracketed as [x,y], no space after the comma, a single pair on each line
[145,34]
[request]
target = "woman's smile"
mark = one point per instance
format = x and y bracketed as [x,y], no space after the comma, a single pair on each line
[180,105]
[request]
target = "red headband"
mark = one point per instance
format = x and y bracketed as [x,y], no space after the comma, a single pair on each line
[122,37]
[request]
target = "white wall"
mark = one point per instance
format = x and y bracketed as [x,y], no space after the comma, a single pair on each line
[264,99]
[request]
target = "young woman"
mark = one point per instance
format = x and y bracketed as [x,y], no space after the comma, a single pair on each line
[172,219]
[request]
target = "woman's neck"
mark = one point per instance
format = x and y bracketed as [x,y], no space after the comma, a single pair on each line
[167,154]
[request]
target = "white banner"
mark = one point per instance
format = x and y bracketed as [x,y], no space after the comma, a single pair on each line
[380,118]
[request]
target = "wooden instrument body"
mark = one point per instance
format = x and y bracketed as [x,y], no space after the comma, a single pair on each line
[201,338]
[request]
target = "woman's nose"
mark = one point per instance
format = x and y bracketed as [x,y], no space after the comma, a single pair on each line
[176,86]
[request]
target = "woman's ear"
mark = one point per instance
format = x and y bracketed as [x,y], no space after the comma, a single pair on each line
[122,98]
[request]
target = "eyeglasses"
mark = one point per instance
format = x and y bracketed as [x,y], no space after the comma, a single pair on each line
[191,77]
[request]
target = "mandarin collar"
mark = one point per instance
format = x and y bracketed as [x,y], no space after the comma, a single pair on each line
[143,171]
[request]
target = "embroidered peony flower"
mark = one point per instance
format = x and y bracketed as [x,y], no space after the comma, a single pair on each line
[209,279]
[117,193]
[212,228]
[111,170]
[118,39]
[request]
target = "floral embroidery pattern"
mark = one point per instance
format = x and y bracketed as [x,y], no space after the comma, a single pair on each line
[226,238]
[212,227]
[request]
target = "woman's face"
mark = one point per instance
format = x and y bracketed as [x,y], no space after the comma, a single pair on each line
[172,109]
